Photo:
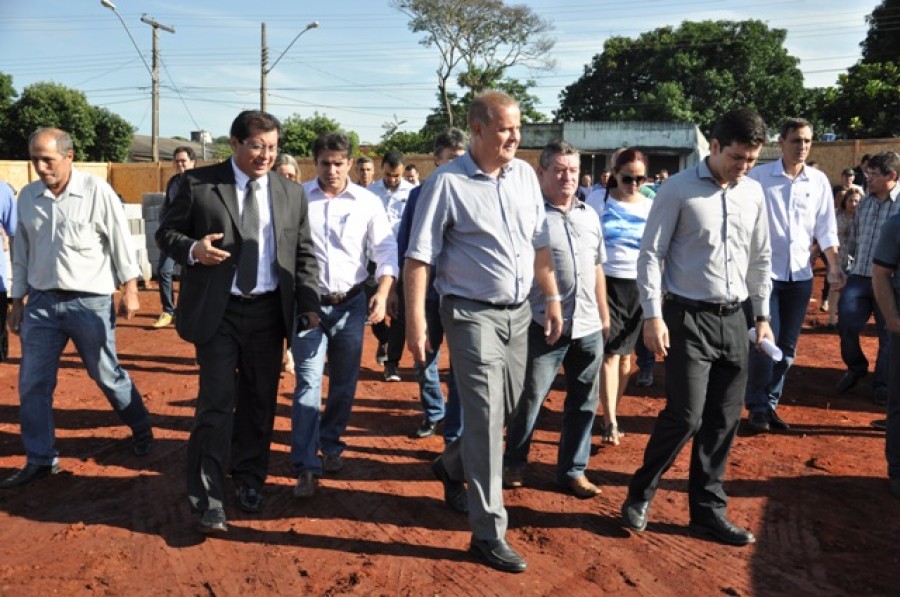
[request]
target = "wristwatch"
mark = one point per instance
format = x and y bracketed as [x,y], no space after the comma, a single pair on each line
[766,318]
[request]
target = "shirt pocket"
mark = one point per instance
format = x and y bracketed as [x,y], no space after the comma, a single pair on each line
[80,236]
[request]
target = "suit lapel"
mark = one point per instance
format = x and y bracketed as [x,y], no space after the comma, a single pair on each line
[278,195]
[227,193]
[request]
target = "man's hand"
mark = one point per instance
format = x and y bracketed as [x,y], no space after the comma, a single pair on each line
[656,336]
[130,302]
[377,308]
[14,322]
[836,278]
[312,320]
[763,331]
[393,303]
[553,322]
[206,254]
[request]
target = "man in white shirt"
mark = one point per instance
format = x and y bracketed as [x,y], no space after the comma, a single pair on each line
[349,227]
[800,211]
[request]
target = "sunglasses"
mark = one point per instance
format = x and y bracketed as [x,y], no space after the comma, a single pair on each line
[633,179]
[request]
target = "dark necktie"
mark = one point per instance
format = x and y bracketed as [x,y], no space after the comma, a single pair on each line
[249,259]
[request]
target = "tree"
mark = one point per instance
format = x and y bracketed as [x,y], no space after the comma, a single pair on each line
[866,101]
[690,74]
[113,137]
[50,105]
[298,133]
[7,96]
[882,44]
[481,38]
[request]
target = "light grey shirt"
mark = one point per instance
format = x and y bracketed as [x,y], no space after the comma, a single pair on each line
[714,243]
[799,211]
[79,241]
[576,242]
[480,232]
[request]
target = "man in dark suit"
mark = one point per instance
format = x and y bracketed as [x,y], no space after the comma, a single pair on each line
[248,265]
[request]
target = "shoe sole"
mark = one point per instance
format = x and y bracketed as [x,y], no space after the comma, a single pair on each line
[702,531]
[213,530]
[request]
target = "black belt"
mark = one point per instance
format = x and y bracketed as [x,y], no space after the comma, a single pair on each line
[68,294]
[251,298]
[720,309]
[336,298]
[503,306]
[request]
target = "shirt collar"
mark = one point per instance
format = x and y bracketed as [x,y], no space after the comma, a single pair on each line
[351,191]
[241,179]
[472,170]
[75,186]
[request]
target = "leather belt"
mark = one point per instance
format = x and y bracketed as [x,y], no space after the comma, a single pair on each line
[251,298]
[68,294]
[720,309]
[336,298]
[503,306]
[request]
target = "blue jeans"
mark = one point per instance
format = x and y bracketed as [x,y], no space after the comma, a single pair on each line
[581,360]
[429,380]
[340,336]
[50,321]
[765,378]
[857,304]
[164,272]
[646,360]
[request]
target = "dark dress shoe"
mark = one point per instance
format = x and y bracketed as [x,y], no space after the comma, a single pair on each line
[31,472]
[454,491]
[758,423]
[848,380]
[895,487]
[880,396]
[776,422]
[213,521]
[497,553]
[426,429]
[721,529]
[250,499]
[142,442]
[634,514]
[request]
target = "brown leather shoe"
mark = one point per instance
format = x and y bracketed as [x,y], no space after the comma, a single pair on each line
[584,489]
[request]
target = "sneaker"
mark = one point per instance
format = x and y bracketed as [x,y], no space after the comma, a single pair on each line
[332,463]
[391,373]
[306,485]
[381,354]
[513,476]
[164,320]
[644,379]
[426,429]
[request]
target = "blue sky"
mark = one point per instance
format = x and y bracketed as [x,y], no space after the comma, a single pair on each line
[361,67]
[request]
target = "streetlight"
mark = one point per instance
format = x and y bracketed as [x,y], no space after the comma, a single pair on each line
[264,59]
[154,72]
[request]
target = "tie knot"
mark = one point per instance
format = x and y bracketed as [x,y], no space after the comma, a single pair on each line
[252,185]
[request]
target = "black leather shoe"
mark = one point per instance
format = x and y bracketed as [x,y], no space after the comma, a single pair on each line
[213,521]
[454,491]
[895,487]
[497,553]
[426,429]
[758,423]
[776,422]
[634,514]
[249,499]
[848,380]
[721,529]
[142,442]
[31,472]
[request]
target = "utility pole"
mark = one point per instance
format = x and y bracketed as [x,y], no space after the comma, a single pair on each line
[154,139]
[265,69]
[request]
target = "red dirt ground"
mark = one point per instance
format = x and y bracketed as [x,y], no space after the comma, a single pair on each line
[113,524]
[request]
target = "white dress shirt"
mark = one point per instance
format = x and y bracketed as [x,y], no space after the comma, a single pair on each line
[266,279]
[394,200]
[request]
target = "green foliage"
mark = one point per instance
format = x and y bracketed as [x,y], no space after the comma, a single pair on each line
[866,101]
[113,137]
[692,73]
[406,142]
[298,133]
[882,44]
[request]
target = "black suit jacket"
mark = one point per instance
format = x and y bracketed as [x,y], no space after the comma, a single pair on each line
[206,203]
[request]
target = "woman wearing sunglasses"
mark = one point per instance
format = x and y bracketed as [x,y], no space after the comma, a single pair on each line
[623,214]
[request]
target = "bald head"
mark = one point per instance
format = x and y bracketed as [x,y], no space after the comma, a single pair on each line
[52,152]
[495,122]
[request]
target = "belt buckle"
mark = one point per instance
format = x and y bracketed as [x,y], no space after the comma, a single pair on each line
[336,298]
[720,309]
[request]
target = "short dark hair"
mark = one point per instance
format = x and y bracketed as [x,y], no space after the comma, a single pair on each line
[555,148]
[250,120]
[185,149]
[741,125]
[364,159]
[331,142]
[410,167]
[793,124]
[452,138]
[848,172]
[392,159]
[885,162]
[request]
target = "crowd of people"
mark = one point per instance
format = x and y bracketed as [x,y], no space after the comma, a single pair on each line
[522,269]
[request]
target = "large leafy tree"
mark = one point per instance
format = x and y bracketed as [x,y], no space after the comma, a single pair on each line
[7,97]
[882,44]
[478,41]
[866,101]
[692,73]
[113,137]
[298,133]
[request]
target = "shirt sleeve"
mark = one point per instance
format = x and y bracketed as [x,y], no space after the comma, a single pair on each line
[759,265]
[887,251]
[426,237]
[381,241]
[20,263]
[661,223]
[825,229]
[121,246]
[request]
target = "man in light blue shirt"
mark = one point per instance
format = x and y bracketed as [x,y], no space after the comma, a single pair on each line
[800,210]
[7,232]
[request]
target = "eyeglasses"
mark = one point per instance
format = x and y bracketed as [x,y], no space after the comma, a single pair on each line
[257,147]
[638,180]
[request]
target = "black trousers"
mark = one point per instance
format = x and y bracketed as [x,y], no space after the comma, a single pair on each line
[239,372]
[706,377]
[4,333]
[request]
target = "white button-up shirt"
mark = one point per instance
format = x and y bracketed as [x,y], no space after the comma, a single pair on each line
[266,278]
[394,200]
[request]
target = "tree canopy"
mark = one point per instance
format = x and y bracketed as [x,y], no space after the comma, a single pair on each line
[882,44]
[478,41]
[299,133]
[692,73]
[866,101]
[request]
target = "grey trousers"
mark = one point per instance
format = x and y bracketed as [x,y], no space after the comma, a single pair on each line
[488,348]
